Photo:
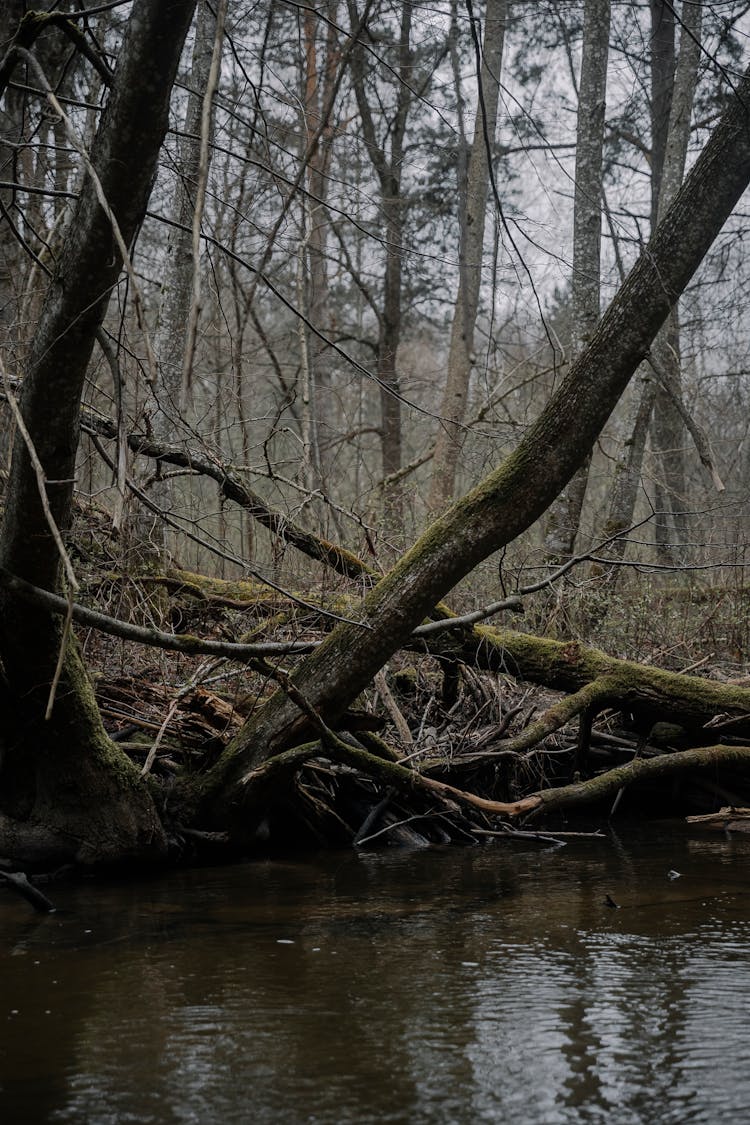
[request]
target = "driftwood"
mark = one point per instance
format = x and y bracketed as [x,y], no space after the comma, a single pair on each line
[728,819]
[19,882]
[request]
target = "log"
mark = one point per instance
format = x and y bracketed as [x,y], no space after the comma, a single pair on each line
[702,758]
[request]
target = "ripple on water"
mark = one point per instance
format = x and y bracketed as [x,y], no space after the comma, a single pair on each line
[470,987]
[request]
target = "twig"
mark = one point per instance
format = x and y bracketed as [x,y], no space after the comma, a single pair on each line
[41,479]
[186,688]
[155,638]
[393,709]
[54,531]
[396,824]
[103,203]
[702,445]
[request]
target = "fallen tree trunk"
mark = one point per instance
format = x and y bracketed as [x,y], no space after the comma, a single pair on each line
[701,758]
[569,666]
[512,497]
[594,678]
[652,693]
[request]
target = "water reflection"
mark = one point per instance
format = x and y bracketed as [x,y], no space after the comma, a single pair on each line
[462,986]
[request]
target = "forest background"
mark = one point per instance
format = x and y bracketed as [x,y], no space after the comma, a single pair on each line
[371,243]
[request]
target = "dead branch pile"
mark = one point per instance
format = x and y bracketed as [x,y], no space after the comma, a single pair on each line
[465,735]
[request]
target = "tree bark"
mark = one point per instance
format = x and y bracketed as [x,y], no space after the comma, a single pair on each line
[512,497]
[177,291]
[63,773]
[11,127]
[672,94]
[564,516]
[668,431]
[461,349]
[11,280]
[321,60]
[388,165]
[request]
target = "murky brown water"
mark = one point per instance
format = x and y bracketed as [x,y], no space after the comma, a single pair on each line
[460,986]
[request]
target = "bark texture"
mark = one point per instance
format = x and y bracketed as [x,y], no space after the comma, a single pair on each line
[672,102]
[177,292]
[63,773]
[461,348]
[565,514]
[322,58]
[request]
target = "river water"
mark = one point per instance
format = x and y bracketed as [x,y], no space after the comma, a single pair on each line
[477,985]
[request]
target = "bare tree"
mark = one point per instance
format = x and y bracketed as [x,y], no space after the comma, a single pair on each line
[64,786]
[564,516]
[673,96]
[472,223]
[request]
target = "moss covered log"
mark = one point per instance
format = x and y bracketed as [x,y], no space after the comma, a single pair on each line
[703,759]
[570,665]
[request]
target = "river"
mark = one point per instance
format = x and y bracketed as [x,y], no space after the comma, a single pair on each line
[405,986]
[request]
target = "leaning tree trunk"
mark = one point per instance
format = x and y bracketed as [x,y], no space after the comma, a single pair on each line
[461,349]
[512,497]
[62,781]
[670,153]
[565,514]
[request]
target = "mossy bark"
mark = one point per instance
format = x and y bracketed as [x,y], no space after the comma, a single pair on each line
[61,779]
[569,666]
[712,759]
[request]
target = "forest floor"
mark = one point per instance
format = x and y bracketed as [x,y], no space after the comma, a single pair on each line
[484,729]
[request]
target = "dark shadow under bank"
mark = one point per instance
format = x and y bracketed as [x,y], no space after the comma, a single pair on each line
[644,812]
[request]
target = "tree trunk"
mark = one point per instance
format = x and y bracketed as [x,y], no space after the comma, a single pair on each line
[672,94]
[388,165]
[319,83]
[668,432]
[177,291]
[461,349]
[565,514]
[11,129]
[512,497]
[62,774]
